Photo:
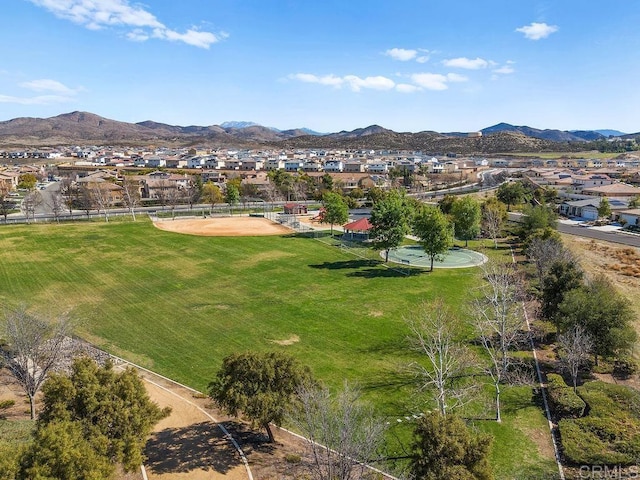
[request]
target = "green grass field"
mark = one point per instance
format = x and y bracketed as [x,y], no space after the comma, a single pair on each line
[178,304]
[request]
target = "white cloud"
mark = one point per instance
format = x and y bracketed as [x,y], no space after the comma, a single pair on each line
[190,37]
[53,92]
[38,100]
[423,59]
[536,31]
[430,81]
[354,82]
[138,35]
[417,81]
[467,63]
[98,14]
[375,83]
[331,80]
[47,85]
[455,77]
[505,70]
[401,54]
[407,88]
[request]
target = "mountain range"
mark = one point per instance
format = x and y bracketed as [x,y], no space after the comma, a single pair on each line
[87,128]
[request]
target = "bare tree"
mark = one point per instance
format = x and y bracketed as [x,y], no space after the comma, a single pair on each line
[6,203]
[299,188]
[434,334]
[35,348]
[271,193]
[131,195]
[343,436]
[544,252]
[162,189]
[494,215]
[100,193]
[30,203]
[173,198]
[194,191]
[575,347]
[499,323]
[67,189]
[56,203]
[84,199]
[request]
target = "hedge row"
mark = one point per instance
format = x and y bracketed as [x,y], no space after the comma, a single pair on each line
[610,433]
[564,401]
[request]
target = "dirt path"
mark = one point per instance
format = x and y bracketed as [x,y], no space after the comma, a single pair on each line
[188,444]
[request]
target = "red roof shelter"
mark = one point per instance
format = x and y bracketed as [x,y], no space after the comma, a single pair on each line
[358,230]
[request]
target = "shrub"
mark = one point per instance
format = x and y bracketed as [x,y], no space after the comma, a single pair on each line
[610,433]
[5,404]
[625,368]
[292,458]
[564,401]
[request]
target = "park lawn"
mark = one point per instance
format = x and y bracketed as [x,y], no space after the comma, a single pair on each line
[179,303]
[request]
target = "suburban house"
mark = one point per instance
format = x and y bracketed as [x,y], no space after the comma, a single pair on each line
[10,178]
[631,217]
[613,190]
[587,208]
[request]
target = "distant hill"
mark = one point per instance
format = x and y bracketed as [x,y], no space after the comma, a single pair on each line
[293,132]
[610,133]
[237,124]
[83,128]
[549,134]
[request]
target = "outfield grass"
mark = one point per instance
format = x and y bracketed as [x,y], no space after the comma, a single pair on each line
[178,304]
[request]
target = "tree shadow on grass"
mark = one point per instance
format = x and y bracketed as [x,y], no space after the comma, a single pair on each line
[387,273]
[347,264]
[200,446]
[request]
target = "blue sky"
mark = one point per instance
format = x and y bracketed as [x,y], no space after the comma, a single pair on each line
[408,65]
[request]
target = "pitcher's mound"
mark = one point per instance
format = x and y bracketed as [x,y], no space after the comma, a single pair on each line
[223,226]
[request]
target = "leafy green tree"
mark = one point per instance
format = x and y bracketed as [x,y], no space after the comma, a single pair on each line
[112,409]
[28,181]
[336,209]
[604,209]
[447,202]
[390,222]
[375,194]
[562,277]
[444,448]
[211,194]
[327,182]
[433,230]
[231,195]
[511,193]
[605,315]
[61,450]
[537,218]
[466,216]
[634,202]
[260,386]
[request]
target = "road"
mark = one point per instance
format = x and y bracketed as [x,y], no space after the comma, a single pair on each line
[615,237]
